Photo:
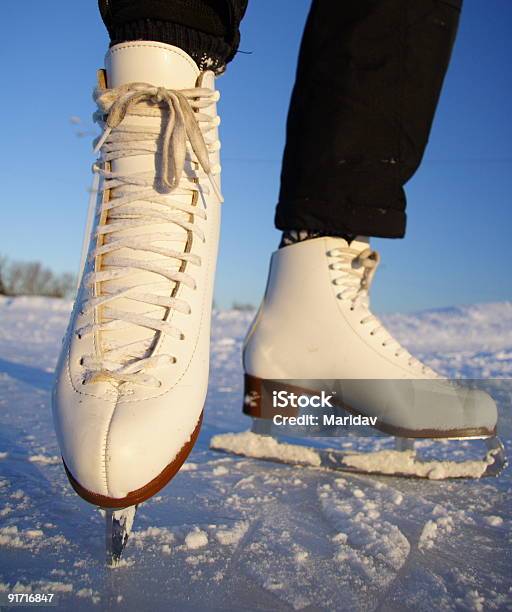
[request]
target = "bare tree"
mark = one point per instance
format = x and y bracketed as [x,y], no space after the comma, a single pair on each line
[64,285]
[32,278]
[242,306]
[3,266]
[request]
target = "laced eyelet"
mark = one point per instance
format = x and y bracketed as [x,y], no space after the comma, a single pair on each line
[384,344]
[81,361]
[126,104]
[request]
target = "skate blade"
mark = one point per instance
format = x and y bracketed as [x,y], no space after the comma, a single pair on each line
[118,525]
[400,462]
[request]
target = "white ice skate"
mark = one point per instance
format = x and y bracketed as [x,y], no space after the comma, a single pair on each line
[315,332]
[132,376]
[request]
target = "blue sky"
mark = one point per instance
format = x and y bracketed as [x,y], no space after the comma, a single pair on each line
[459,216]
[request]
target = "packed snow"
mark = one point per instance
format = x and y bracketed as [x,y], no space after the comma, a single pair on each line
[252,445]
[196,539]
[238,533]
[403,463]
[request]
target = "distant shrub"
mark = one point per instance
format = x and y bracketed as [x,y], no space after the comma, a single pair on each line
[32,278]
[242,306]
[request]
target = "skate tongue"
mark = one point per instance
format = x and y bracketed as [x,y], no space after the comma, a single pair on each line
[360,243]
[159,65]
[150,62]
[353,265]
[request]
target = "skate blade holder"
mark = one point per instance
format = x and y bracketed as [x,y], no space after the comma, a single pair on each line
[118,526]
[404,460]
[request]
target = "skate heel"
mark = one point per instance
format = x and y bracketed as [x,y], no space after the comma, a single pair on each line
[260,396]
[253,396]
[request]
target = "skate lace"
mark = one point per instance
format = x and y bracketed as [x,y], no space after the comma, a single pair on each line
[142,199]
[358,268]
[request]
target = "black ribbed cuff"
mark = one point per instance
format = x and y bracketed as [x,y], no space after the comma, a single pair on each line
[208,51]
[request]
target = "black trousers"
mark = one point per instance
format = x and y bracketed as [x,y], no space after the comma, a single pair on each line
[368,81]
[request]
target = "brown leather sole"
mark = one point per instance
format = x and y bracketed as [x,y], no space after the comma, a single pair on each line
[256,388]
[145,492]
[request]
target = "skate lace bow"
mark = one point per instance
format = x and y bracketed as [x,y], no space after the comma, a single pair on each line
[137,202]
[358,269]
[181,125]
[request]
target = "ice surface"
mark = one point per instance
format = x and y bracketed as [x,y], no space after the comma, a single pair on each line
[273,537]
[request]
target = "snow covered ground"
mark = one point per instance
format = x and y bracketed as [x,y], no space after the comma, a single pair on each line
[231,533]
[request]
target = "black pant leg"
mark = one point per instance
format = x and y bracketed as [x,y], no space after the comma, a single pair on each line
[208,30]
[368,81]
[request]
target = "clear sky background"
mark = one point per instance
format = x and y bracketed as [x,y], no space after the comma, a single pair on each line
[457,249]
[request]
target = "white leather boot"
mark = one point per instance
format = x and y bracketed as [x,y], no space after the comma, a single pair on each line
[132,376]
[315,324]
